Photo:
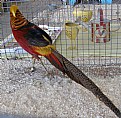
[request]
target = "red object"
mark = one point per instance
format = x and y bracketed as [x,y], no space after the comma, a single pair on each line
[37,42]
[100,28]
[33,39]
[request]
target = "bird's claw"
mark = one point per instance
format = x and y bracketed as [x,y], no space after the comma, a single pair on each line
[49,74]
[32,69]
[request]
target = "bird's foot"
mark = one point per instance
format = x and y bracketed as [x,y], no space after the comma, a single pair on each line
[32,69]
[49,74]
[34,57]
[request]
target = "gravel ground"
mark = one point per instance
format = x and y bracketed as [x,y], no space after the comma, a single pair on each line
[25,94]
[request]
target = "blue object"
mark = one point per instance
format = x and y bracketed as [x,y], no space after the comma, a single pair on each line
[106,1]
[71,2]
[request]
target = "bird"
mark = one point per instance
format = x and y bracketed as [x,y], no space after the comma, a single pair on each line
[38,43]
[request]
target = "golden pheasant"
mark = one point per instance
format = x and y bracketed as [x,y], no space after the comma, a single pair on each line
[38,43]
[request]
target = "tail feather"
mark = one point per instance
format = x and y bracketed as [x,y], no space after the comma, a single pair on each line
[78,76]
[55,61]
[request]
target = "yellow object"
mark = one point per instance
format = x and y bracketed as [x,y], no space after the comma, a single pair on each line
[85,15]
[13,10]
[72,30]
[43,51]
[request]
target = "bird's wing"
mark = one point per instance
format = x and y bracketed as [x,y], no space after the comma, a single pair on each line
[36,36]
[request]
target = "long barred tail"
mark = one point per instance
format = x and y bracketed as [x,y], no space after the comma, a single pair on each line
[78,76]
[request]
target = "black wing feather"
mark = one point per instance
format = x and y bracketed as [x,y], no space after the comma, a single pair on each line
[36,36]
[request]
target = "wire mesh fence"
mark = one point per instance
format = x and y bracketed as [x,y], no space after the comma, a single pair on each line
[78,32]
[88,34]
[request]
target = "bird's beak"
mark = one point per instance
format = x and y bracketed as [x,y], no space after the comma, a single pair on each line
[14,13]
[13,10]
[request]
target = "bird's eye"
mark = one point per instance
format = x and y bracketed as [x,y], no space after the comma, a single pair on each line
[16,18]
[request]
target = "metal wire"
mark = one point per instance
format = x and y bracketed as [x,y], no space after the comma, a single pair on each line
[54,14]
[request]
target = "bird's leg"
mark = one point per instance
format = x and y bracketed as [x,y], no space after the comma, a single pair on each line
[48,73]
[43,65]
[33,63]
[34,58]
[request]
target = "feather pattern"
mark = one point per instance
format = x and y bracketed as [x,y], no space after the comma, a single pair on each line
[38,43]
